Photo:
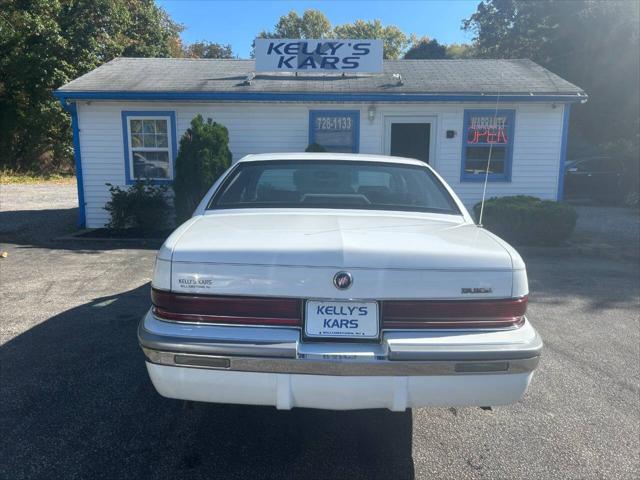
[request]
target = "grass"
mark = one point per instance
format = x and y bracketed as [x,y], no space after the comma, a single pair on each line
[12,176]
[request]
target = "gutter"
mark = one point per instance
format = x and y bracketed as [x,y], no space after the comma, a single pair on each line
[71,107]
[563,151]
[67,95]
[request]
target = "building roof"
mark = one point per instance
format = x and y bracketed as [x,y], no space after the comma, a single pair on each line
[430,77]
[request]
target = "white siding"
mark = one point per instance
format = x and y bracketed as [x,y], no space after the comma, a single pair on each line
[259,128]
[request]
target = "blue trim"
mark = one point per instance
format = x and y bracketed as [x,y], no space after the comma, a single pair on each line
[125,136]
[508,161]
[563,149]
[315,97]
[73,110]
[355,118]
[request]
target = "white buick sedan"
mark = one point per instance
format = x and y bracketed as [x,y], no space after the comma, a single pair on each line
[337,281]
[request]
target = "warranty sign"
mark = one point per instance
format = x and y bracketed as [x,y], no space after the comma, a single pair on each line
[287,55]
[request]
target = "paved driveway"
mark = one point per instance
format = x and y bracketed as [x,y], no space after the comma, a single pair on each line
[37,212]
[75,400]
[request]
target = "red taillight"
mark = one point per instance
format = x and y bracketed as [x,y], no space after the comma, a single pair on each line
[453,314]
[231,310]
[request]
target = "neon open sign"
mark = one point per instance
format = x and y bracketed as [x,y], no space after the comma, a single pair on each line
[488,129]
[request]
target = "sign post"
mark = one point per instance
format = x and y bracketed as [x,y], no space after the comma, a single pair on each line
[288,55]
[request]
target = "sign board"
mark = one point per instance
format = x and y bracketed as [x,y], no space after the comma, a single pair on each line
[488,129]
[287,55]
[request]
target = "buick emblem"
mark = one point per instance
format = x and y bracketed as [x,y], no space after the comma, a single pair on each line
[342,280]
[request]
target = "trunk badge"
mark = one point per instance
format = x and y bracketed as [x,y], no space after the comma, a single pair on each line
[342,280]
[476,290]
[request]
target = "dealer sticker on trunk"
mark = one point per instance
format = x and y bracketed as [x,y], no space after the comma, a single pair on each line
[341,319]
[195,282]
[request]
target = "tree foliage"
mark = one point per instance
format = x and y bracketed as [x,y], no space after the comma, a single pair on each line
[426,48]
[46,43]
[460,50]
[430,48]
[314,24]
[203,156]
[141,206]
[393,39]
[523,220]
[204,49]
[592,44]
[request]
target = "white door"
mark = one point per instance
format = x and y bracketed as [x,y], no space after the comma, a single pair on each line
[410,136]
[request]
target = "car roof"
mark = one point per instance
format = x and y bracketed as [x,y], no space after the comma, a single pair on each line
[590,157]
[358,157]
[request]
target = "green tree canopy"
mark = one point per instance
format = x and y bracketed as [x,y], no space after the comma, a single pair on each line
[204,49]
[426,48]
[203,156]
[460,50]
[590,43]
[46,43]
[312,24]
[394,41]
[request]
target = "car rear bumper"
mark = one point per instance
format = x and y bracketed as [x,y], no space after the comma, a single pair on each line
[272,366]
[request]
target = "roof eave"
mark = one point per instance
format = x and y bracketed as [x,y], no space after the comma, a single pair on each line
[70,95]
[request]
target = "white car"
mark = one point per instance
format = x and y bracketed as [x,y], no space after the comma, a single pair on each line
[337,281]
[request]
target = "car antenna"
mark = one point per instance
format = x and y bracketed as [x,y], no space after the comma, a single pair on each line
[486,173]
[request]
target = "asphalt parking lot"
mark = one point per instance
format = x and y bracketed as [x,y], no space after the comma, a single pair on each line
[76,402]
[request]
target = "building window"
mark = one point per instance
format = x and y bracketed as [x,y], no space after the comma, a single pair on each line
[335,130]
[150,146]
[487,132]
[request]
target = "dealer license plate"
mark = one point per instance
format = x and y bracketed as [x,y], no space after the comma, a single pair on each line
[344,319]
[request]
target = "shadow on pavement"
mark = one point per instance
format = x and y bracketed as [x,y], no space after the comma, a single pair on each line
[77,403]
[51,229]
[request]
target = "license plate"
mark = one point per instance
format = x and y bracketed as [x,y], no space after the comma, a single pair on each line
[342,319]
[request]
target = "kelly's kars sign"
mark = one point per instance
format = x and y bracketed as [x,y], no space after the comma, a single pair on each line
[286,55]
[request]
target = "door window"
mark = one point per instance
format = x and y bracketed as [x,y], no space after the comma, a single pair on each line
[410,140]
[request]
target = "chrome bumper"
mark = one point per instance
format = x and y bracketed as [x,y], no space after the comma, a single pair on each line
[280,350]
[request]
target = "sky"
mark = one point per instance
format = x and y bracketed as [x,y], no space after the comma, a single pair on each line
[238,22]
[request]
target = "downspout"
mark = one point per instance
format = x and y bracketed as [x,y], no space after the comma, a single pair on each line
[563,149]
[73,110]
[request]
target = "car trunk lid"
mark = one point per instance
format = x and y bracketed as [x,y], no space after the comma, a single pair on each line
[321,239]
[297,253]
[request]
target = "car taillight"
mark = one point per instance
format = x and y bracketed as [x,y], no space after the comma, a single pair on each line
[453,313]
[226,309]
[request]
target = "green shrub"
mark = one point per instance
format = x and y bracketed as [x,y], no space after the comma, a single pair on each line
[523,220]
[203,156]
[141,206]
[315,147]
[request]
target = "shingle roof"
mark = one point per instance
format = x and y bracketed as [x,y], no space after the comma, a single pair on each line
[418,76]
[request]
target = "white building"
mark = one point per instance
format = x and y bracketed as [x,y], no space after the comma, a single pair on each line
[129,114]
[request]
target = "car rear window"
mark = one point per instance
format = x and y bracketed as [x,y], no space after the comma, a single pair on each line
[333,184]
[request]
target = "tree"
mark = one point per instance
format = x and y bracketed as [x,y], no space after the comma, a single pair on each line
[394,41]
[426,48]
[203,156]
[592,44]
[460,50]
[46,43]
[312,24]
[204,49]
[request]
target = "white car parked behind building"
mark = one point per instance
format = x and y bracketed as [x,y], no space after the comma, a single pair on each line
[337,281]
